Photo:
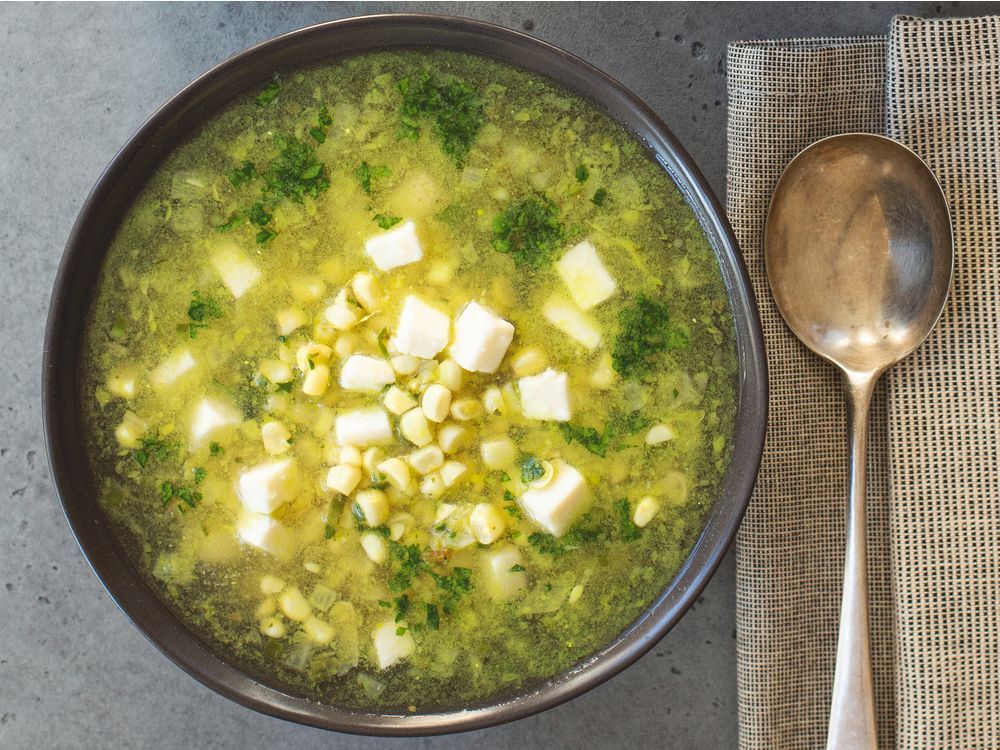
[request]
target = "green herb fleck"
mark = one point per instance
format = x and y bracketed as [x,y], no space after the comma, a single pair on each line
[400,630]
[199,474]
[154,448]
[454,106]
[365,173]
[234,220]
[294,173]
[242,175]
[385,221]
[383,337]
[529,231]
[531,468]
[269,94]
[258,215]
[379,480]
[201,308]
[402,607]
[517,569]
[600,195]
[546,543]
[645,331]
[582,173]
[285,387]
[433,617]
[594,441]
[455,586]
[265,235]
[215,449]
[629,531]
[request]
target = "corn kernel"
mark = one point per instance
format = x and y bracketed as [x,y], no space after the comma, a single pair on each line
[290,320]
[528,361]
[486,523]
[316,381]
[498,452]
[644,511]
[427,459]
[465,409]
[452,437]
[367,291]
[450,375]
[276,371]
[404,364]
[414,427]
[397,471]
[371,458]
[436,402]
[493,401]
[309,355]
[294,605]
[397,401]
[320,631]
[350,454]
[375,547]
[343,478]
[275,437]
[374,506]
[660,433]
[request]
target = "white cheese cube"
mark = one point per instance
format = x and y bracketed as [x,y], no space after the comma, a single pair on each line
[211,417]
[575,324]
[363,427]
[267,486]
[389,646]
[504,574]
[545,396]
[237,271]
[481,339]
[587,279]
[264,533]
[397,247]
[423,330]
[364,373]
[557,505]
[172,369]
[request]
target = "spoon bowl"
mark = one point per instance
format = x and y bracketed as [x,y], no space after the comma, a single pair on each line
[859,255]
[858,248]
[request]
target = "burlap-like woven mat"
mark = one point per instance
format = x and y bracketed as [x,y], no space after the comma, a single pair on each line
[934,503]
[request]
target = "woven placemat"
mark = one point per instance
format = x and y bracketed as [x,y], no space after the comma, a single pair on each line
[934,505]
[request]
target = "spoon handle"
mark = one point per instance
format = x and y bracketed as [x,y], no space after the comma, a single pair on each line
[852,712]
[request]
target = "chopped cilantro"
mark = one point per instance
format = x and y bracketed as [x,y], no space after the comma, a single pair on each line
[169,491]
[154,448]
[503,476]
[410,564]
[531,468]
[199,474]
[645,332]
[594,441]
[234,220]
[215,449]
[365,173]
[402,606]
[383,337]
[285,387]
[508,496]
[385,221]
[269,94]
[265,235]
[529,231]
[629,531]
[242,175]
[455,586]
[582,173]
[201,308]
[546,543]
[517,569]
[600,195]
[258,215]
[322,126]
[294,173]
[384,604]
[454,106]
[433,617]
[379,480]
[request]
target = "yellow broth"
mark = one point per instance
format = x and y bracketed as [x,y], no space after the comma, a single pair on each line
[650,442]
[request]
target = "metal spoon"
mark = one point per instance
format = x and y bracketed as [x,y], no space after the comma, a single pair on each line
[859,255]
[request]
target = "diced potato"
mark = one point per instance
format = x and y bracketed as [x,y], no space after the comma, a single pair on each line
[453,437]
[575,324]
[481,339]
[545,396]
[397,247]
[212,416]
[237,271]
[436,402]
[294,605]
[585,276]
[265,487]
[363,427]
[414,427]
[423,330]
[498,452]
[343,478]
[374,505]
[486,523]
[504,573]
[557,505]
[275,436]
[365,373]
[172,369]
[390,646]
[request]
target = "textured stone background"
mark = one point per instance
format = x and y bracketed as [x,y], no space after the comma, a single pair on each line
[75,82]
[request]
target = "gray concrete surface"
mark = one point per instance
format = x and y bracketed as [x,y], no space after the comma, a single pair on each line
[75,81]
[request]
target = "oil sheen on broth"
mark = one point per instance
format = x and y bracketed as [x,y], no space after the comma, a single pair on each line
[410,380]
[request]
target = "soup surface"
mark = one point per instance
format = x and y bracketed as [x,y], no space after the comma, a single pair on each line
[410,380]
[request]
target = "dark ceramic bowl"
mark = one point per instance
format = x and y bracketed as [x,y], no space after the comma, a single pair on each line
[78,273]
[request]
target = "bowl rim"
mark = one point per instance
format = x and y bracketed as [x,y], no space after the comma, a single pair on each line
[155,620]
